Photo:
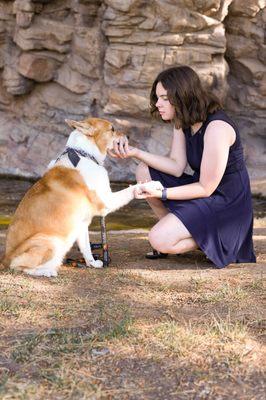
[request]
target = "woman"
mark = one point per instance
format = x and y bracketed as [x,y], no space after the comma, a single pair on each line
[211,209]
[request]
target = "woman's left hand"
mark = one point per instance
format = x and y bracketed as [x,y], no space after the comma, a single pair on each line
[121,149]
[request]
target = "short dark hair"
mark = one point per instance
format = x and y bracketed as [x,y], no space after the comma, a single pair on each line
[192,102]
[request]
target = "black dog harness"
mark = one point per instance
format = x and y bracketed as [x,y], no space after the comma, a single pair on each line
[74,155]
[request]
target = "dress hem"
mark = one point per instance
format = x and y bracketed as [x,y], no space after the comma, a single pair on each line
[205,251]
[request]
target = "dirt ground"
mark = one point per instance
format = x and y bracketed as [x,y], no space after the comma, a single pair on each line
[166,329]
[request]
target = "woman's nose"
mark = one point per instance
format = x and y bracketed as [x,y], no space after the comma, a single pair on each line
[157,103]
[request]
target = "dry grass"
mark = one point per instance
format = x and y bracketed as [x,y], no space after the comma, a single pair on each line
[168,329]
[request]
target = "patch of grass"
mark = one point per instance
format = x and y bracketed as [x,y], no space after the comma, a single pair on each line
[217,339]
[24,304]
[22,390]
[57,315]
[174,337]
[58,341]
[227,330]
[119,329]
[257,284]
[3,379]
[24,349]
[197,283]
[258,324]
[9,308]
[225,293]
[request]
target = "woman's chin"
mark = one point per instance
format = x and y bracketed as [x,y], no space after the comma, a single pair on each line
[165,117]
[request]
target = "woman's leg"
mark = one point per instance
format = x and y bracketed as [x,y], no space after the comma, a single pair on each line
[143,175]
[170,235]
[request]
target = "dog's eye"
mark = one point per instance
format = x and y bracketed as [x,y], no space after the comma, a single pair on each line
[112,129]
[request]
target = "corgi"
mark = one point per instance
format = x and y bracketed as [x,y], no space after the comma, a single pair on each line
[57,209]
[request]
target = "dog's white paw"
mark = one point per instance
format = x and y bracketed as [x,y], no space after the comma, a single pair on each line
[49,274]
[42,272]
[154,185]
[96,264]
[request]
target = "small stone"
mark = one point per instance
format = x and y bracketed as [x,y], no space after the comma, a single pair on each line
[99,352]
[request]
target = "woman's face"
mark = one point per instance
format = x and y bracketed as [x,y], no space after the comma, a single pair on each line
[165,108]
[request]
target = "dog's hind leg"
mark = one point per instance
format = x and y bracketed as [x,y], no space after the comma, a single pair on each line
[83,241]
[40,255]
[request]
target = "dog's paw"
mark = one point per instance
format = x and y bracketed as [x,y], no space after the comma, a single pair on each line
[154,185]
[49,274]
[96,264]
[42,272]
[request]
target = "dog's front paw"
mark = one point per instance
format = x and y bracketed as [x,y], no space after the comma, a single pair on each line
[96,264]
[156,185]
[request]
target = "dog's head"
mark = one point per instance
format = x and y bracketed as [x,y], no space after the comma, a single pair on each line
[99,130]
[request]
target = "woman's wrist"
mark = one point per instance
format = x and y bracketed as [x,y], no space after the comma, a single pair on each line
[137,153]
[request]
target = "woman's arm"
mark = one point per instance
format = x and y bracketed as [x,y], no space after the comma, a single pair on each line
[173,165]
[218,138]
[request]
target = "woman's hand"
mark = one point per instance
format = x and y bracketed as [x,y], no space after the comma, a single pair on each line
[121,149]
[148,189]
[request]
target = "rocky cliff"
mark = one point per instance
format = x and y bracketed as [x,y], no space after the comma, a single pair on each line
[74,58]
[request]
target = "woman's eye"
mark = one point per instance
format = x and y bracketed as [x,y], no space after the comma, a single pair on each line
[165,98]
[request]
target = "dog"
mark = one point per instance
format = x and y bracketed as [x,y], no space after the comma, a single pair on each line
[57,209]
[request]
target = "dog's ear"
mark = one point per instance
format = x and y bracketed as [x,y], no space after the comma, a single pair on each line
[83,126]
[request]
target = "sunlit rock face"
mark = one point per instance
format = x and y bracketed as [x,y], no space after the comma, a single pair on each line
[74,58]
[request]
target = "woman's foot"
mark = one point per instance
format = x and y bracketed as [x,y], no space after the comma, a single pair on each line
[154,254]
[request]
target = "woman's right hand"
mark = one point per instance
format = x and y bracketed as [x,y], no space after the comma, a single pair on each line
[121,149]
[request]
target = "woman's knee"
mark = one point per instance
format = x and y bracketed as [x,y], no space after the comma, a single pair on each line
[157,241]
[142,173]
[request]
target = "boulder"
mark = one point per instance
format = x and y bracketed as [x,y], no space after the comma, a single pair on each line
[37,68]
[14,83]
[127,102]
[72,80]
[45,34]
[246,8]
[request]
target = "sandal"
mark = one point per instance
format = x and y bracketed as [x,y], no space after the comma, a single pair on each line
[154,254]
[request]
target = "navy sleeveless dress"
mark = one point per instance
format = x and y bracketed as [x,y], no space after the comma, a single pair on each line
[221,224]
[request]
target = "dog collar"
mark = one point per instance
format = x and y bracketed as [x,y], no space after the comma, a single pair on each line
[73,155]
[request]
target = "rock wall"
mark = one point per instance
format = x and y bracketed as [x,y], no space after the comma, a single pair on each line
[73,58]
[246,57]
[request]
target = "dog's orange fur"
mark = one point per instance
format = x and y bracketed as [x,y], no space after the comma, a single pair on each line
[40,215]
[95,129]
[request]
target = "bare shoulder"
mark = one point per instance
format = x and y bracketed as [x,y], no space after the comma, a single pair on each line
[178,132]
[221,130]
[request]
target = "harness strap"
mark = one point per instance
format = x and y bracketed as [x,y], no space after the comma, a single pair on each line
[73,155]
